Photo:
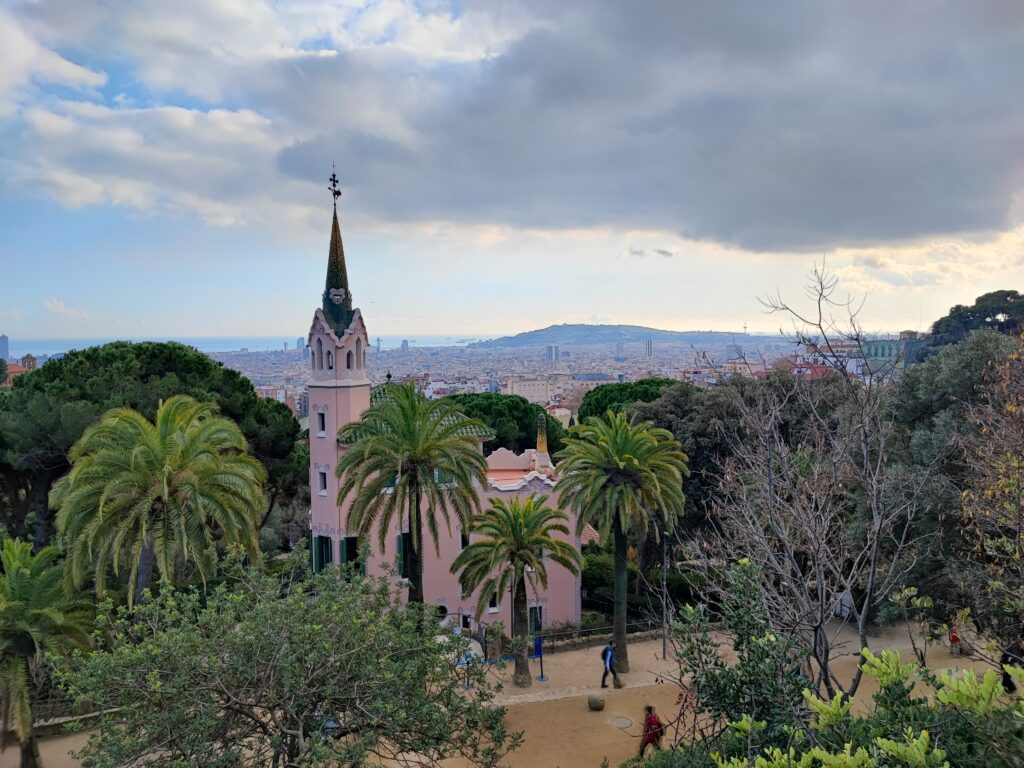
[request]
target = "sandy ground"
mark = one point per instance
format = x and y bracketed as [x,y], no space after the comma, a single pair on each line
[560,731]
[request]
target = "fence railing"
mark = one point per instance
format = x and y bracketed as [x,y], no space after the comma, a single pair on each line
[581,633]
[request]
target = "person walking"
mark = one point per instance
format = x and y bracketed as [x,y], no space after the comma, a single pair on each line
[608,658]
[1013,656]
[654,730]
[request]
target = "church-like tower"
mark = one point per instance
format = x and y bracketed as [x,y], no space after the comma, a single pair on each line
[339,393]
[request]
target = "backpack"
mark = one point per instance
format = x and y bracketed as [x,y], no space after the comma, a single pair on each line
[604,654]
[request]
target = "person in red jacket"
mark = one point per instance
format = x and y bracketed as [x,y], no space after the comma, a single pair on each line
[654,730]
[954,640]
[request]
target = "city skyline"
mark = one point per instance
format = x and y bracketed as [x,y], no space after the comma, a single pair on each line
[504,167]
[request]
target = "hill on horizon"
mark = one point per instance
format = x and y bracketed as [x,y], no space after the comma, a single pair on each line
[585,335]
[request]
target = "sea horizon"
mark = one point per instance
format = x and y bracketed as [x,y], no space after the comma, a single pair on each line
[20,346]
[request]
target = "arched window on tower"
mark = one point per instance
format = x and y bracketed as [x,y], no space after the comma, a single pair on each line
[359,353]
[348,359]
[319,354]
[330,361]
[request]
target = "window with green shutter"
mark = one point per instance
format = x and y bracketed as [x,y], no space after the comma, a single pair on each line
[323,552]
[350,553]
[403,546]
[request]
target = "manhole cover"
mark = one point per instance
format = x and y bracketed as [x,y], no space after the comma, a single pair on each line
[621,722]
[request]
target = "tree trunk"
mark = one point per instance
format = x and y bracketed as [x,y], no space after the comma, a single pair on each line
[415,567]
[43,515]
[521,635]
[30,753]
[145,575]
[270,507]
[621,573]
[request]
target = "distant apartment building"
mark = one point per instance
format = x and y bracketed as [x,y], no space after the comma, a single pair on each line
[13,370]
[302,403]
[419,381]
[737,367]
[703,376]
[906,349]
[649,348]
[551,354]
[584,382]
[280,394]
[5,347]
[461,386]
[543,389]
[29,362]
[864,356]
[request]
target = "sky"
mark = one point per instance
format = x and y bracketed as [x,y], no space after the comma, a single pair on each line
[505,164]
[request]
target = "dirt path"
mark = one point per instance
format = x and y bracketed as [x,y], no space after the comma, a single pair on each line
[560,731]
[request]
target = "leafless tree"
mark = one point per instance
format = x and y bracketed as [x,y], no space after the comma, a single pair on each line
[815,505]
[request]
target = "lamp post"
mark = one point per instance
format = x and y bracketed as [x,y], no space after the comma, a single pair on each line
[664,590]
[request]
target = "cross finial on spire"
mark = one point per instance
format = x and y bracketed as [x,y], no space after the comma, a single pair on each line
[334,186]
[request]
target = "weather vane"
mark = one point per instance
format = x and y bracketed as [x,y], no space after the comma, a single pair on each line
[334,186]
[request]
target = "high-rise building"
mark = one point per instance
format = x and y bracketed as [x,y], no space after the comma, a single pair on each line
[551,353]
[405,345]
[378,345]
[649,348]
[300,343]
[286,346]
[5,347]
[619,347]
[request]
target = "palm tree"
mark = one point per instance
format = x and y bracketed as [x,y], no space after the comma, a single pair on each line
[412,458]
[615,475]
[157,494]
[518,536]
[37,616]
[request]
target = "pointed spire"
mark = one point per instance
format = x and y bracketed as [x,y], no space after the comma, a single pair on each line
[337,299]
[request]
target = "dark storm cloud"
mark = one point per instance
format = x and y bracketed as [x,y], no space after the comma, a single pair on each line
[783,125]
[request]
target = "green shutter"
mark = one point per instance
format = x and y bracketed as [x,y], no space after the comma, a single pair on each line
[344,550]
[400,556]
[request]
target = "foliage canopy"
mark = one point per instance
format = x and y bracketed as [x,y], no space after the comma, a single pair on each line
[330,670]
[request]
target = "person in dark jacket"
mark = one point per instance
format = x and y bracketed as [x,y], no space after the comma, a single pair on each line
[608,658]
[1013,656]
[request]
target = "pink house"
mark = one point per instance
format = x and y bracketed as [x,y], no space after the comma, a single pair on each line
[339,392]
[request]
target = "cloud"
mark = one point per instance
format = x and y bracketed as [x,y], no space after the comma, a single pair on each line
[664,252]
[23,59]
[952,263]
[58,307]
[790,126]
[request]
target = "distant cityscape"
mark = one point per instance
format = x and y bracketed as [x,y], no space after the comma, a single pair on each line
[552,375]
